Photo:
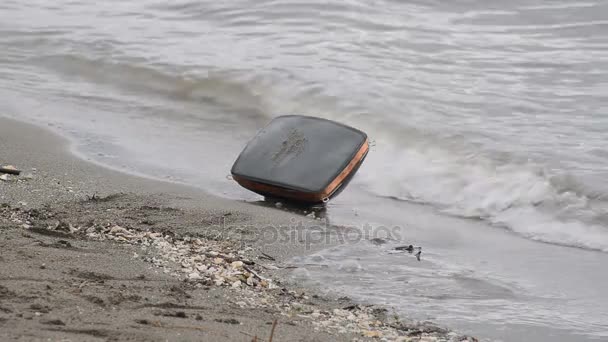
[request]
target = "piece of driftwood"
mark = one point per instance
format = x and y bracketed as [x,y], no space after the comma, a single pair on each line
[409,248]
[254,273]
[274,325]
[11,170]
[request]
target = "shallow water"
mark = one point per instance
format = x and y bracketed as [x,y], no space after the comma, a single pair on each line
[489,122]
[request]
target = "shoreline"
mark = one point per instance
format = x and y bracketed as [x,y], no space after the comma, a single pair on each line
[66,224]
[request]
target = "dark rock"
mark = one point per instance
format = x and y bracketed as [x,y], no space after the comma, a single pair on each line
[409,248]
[53,322]
[228,321]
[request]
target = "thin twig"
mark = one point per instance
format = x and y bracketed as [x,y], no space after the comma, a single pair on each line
[253,272]
[274,325]
[266,256]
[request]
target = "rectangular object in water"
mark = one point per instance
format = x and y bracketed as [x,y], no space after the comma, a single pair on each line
[301,158]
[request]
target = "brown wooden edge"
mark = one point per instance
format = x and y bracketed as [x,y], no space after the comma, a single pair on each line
[304,196]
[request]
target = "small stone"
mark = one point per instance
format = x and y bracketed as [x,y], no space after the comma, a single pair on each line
[118,230]
[4,177]
[278,205]
[237,265]
[194,276]
[236,284]
[228,321]
[36,306]
[372,333]
[218,261]
[43,266]
[53,322]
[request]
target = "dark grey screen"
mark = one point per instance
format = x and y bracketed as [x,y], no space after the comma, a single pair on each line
[299,152]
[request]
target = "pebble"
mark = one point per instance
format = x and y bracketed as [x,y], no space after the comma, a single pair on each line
[371,333]
[195,276]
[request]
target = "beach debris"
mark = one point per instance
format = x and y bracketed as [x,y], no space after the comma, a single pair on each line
[267,257]
[227,321]
[372,333]
[10,169]
[53,322]
[203,263]
[410,249]
[274,325]
[206,262]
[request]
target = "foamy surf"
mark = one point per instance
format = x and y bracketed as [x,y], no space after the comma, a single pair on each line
[524,198]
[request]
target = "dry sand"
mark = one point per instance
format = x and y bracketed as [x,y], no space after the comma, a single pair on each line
[92,254]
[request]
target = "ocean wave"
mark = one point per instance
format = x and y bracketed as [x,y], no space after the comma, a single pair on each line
[523,197]
[219,88]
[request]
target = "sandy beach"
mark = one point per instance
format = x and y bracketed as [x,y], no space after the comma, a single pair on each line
[91,254]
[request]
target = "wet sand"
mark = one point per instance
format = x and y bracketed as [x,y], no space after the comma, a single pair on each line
[68,272]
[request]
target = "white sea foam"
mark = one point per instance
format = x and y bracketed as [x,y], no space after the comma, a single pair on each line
[524,198]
